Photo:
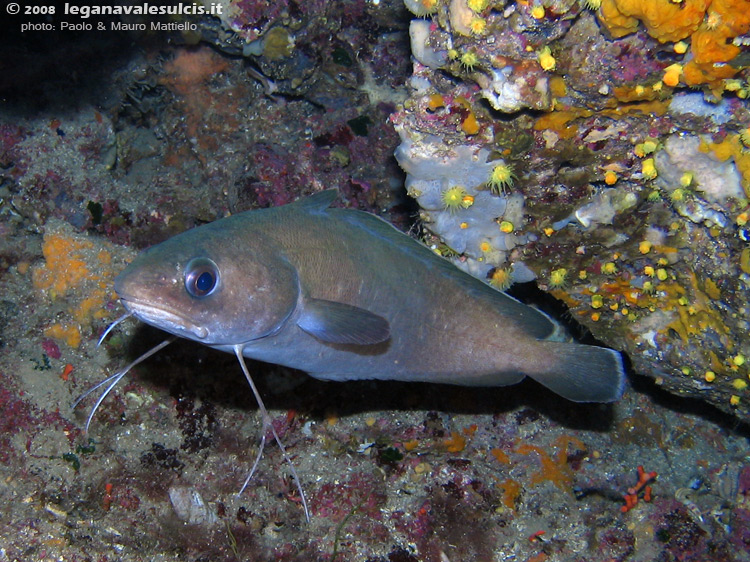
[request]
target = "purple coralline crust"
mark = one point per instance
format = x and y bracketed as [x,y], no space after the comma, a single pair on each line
[17,416]
[10,136]
[361,493]
[743,484]
[739,538]
[634,66]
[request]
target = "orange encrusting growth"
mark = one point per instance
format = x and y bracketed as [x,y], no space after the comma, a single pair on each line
[665,20]
[511,491]
[710,49]
[456,443]
[732,147]
[500,455]
[556,469]
[76,270]
[559,122]
[711,46]
[64,268]
[710,25]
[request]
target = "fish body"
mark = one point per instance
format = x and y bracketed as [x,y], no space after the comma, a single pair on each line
[343,295]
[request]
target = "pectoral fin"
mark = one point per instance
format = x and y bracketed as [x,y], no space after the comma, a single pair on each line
[335,322]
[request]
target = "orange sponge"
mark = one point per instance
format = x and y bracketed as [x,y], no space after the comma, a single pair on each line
[732,15]
[664,20]
[710,48]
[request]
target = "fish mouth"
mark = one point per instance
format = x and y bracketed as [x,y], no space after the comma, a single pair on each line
[164,319]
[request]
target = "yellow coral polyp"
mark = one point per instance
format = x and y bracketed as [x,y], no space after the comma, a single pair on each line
[477,26]
[739,384]
[678,195]
[645,148]
[453,198]
[713,20]
[501,178]
[557,278]
[469,60]
[680,47]
[501,278]
[648,169]
[422,8]
[672,75]
[537,12]
[477,5]
[732,85]
[546,60]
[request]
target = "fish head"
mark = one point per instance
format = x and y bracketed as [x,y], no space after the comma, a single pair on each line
[213,284]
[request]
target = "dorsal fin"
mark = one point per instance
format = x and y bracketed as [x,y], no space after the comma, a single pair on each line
[319,201]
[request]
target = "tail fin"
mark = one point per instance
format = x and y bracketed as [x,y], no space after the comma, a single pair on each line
[583,373]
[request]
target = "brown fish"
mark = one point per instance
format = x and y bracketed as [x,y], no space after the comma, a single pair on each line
[343,295]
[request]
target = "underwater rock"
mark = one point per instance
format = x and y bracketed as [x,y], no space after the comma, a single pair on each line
[626,197]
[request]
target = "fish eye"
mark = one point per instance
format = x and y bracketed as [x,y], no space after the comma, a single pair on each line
[201,277]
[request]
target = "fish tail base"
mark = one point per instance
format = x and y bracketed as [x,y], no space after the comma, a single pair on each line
[582,373]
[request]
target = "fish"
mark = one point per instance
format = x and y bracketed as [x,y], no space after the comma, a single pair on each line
[343,295]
